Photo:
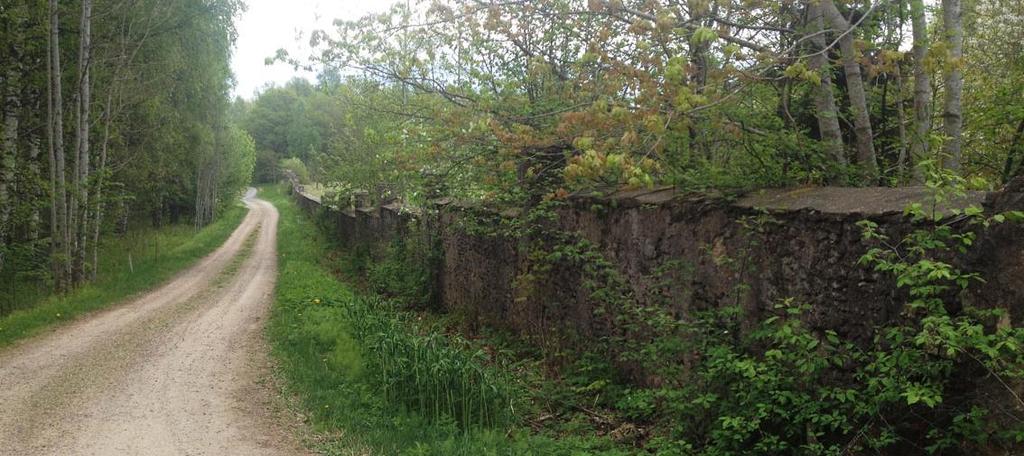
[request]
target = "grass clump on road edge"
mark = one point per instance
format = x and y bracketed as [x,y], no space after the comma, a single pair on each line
[156,255]
[371,381]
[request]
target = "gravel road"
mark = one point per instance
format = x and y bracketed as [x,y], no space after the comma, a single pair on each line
[181,370]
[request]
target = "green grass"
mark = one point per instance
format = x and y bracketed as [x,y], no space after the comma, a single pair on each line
[155,254]
[350,360]
[374,379]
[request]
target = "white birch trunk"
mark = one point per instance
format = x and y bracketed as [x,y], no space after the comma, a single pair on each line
[824,98]
[56,130]
[864,137]
[84,101]
[919,144]
[952,116]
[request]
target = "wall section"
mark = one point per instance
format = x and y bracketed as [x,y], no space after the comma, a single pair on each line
[688,252]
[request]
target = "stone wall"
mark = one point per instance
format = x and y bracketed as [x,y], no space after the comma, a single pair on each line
[754,251]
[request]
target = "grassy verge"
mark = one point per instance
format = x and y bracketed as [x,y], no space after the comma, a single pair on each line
[128,265]
[374,379]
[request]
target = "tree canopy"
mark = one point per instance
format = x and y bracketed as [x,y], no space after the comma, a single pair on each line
[496,99]
[114,111]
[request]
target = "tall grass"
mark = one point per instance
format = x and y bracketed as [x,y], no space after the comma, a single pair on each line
[373,380]
[128,265]
[431,374]
[364,374]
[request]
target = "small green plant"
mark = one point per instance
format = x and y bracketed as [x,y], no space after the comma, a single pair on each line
[933,381]
[944,340]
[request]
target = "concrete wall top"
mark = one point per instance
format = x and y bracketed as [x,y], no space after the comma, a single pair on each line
[842,201]
[849,200]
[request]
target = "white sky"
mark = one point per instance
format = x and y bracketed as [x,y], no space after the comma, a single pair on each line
[269,25]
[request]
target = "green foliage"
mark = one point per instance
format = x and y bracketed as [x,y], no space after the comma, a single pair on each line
[394,382]
[160,143]
[594,169]
[430,374]
[155,255]
[406,270]
[714,382]
[993,93]
[633,93]
[784,389]
[175,123]
[591,100]
[241,159]
[283,121]
[361,365]
[946,338]
[296,167]
[706,382]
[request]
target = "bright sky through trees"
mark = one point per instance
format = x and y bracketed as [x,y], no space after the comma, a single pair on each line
[269,25]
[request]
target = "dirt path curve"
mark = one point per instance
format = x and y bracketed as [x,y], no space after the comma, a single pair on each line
[181,370]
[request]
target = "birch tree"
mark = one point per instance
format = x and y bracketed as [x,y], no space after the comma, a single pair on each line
[952,115]
[62,265]
[81,192]
[919,143]
[867,162]
[9,152]
[824,98]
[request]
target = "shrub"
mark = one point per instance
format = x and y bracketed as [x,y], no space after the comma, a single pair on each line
[296,166]
[405,271]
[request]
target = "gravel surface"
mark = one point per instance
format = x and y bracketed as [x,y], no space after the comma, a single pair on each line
[181,370]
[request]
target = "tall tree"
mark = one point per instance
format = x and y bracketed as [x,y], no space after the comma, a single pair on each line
[161,69]
[11,113]
[824,97]
[952,115]
[81,192]
[62,268]
[864,136]
[919,143]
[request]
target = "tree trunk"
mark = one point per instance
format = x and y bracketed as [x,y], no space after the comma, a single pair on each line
[824,98]
[52,165]
[84,100]
[901,162]
[56,130]
[864,137]
[922,90]
[97,212]
[952,116]
[9,154]
[35,219]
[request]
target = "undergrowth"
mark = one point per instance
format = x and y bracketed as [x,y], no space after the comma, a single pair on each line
[376,379]
[940,379]
[127,265]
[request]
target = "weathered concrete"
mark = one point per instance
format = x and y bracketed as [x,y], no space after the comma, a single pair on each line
[866,201]
[752,251]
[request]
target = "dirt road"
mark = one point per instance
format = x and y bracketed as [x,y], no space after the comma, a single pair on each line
[181,370]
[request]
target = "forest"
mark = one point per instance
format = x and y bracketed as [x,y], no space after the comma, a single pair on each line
[116,115]
[496,100]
